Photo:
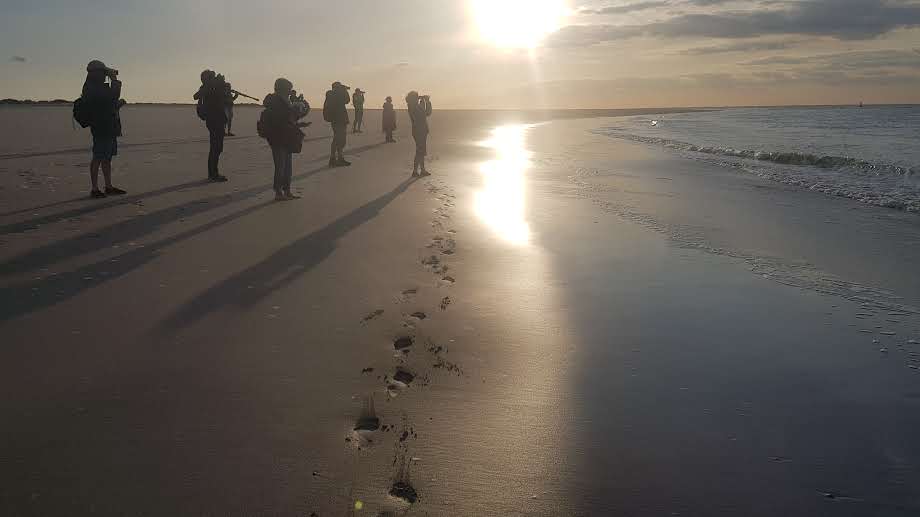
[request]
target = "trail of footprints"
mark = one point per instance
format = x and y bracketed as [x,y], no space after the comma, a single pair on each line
[402,378]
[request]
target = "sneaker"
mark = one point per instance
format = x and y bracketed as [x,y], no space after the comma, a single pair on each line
[96,194]
[217,179]
[342,163]
[230,134]
[291,195]
[424,173]
[114,191]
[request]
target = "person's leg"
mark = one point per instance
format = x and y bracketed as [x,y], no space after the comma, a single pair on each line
[423,153]
[107,173]
[278,159]
[288,173]
[94,175]
[217,147]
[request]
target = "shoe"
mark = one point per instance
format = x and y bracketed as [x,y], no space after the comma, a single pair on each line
[414,174]
[217,179]
[280,197]
[342,163]
[230,134]
[290,195]
[114,191]
[424,173]
[96,194]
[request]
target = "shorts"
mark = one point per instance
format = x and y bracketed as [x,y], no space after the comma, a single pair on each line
[104,147]
[339,135]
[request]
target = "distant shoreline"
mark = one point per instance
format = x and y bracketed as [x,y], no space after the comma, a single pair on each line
[672,109]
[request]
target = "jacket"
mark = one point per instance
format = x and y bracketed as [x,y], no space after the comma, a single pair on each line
[102,101]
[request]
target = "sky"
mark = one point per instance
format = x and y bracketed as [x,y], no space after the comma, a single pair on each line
[475,53]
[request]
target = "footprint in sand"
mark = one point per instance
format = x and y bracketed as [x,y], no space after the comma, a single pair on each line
[377,313]
[403,344]
[368,420]
[448,279]
[419,315]
[445,303]
[402,487]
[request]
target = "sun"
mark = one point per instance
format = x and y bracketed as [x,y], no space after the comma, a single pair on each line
[517,24]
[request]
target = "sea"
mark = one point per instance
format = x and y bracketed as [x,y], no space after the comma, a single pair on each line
[870,154]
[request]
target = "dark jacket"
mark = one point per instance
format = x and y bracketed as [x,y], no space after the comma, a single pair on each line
[358,101]
[280,123]
[389,116]
[337,102]
[214,100]
[102,101]
[419,114]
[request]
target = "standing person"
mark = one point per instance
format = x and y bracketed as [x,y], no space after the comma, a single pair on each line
[357,101]
[230,97]
[212,102]
[389,119]
[281,129]
[102,101]
[335,111]
[419,111]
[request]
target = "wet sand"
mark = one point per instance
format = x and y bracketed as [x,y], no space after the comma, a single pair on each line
[609,331]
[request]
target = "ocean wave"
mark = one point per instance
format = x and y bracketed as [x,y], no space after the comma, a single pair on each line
[783,158]
[884,185]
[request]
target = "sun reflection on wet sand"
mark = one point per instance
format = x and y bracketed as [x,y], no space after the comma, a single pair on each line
[500,204]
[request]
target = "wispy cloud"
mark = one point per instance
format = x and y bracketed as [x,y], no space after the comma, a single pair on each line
[18,59]
[840,19]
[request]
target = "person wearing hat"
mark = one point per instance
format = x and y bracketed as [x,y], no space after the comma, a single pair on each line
[335,111]
[103,100]
[419,111]
[357,100]
[212,99]
[389,119]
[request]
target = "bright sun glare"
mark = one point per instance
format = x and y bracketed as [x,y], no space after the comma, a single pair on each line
[512,24]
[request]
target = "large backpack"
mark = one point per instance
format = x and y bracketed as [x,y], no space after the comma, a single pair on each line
[327,108]
[262,124]
[202,114]
[82,112]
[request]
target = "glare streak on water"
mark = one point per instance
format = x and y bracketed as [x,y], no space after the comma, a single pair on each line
[870,154]
[500,203]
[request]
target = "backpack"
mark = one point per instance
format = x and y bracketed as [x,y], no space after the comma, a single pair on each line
[262,124]
[202,114]
[327,108]
[82,112]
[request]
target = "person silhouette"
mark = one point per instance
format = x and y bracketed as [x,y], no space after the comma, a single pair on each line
[357,100]
[419,111]
[102,102]
[212,103]
[389,119]
[230,98]
[282,130]
[335,111]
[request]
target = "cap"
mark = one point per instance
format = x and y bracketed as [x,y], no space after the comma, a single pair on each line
[338,84]
[96,65]
[359,90]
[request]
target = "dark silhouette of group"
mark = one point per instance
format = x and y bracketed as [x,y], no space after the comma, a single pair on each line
[100,102]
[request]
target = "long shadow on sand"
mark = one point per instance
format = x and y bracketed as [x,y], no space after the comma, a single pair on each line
[28,297]
[133,229]
[258,281]
[94,205]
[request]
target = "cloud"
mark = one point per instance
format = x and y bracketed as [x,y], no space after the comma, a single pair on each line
[868,60]
[628,8]
[743,46]
[840,19]
[18,59]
